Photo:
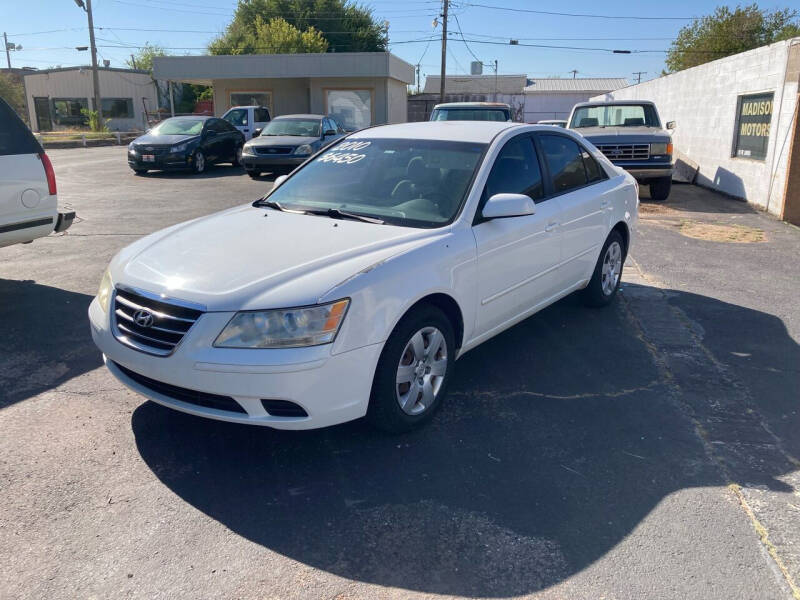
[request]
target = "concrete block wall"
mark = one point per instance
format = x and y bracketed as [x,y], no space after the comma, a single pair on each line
[703,101]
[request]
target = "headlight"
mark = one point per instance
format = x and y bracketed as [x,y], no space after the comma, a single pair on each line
[284,328]
[248,149]
[661,148]
[104,293]
[131,148]
[179,148]
[304,149]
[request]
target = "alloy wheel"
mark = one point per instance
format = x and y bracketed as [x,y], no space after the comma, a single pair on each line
[612,266]
[421,371]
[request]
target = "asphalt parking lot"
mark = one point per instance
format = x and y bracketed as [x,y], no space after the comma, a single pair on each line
[646,450]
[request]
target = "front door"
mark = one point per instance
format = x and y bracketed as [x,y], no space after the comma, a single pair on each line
[42,109]
[240,118]
[517,257]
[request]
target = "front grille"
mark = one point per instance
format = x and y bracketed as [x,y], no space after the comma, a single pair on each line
[148,325]
[269,150]
[184,395]
[283,408]
[155,150]
[625,151]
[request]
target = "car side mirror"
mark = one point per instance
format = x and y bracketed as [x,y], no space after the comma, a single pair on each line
[279,180]
[256,132]
[501,206]
[329,132]
[670,124]
[210,133]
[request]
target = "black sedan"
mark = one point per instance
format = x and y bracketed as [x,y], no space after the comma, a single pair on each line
[287,142]
[182,143]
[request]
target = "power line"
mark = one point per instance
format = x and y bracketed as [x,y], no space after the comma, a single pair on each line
[581,15]
[455,16]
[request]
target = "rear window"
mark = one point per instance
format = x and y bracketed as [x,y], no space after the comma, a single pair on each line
[15,137]
[469,114]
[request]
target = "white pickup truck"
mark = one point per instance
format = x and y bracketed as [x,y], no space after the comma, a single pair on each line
[28,200]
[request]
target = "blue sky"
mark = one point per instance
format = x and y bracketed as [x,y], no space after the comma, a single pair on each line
[49,30]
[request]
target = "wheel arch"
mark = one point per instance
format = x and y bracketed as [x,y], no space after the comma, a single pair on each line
[623,230]
[448,305]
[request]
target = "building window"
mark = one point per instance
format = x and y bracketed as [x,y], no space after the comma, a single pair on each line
[251,99]
[352,108]
[753,120]
[67,111]
[117,108]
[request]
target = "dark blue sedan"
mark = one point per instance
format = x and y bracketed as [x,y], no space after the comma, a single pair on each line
[186,143]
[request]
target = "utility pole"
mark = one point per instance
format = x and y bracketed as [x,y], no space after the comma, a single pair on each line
[418,78]
[639,75]
[446,5]
[8,54]
[95,76]
[574,73]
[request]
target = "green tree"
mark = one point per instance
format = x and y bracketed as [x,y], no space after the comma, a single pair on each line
[729,32]
[11,91]
[143,59]
[277,36]
[345,26]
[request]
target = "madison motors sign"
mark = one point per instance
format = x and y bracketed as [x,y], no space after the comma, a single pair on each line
[753,120]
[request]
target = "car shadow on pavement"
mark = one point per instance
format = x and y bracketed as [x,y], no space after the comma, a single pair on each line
[212,172]
[558,438]
[46,339]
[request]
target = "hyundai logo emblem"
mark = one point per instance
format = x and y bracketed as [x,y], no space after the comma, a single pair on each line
[143,318]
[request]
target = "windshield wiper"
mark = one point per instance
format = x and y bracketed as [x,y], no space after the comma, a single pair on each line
[336,213]
[278,206]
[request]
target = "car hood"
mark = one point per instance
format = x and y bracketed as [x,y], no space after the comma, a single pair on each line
[250,258]
[164,139]
[621,135]
[282,140]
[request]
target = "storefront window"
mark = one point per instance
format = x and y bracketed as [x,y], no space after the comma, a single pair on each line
[352,108]
[251,99]
[67,111]
[117,108]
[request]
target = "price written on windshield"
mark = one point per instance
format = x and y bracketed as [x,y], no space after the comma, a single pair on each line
[339,155]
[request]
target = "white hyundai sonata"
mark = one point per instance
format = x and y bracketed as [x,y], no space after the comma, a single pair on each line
[354,285]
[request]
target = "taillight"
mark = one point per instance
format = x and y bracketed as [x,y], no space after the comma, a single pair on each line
[48,171]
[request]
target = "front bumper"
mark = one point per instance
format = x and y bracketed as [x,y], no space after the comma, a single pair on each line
[64,221]
[645,172]
[164,162]
[331,388]
[251,162]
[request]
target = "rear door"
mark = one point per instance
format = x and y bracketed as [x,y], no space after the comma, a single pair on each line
[27,209]
[584,193]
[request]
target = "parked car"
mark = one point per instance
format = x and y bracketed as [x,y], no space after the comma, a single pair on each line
[351,288]
[554,122]
[629,133]
[186,143]
[28,195]
[287,141]
[471,111]
[250,120]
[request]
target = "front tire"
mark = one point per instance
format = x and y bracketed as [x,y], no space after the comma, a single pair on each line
[413,371]
[140,171]
[237,157]
[254,174]
[199,163]
[660,188]
[603,286]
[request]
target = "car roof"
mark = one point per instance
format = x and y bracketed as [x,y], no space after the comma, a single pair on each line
[472,105]
[247,106]
[453,131]
[303,116]
[617,102]
[200,117]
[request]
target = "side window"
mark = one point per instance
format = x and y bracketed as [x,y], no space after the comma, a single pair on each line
[565,162]
[261,115]
[516,170]
[220,126]
[593,170]
[329,125]
[237,117]
[15,137]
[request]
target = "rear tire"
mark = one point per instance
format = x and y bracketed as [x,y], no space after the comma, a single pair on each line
[139,171]
[254,174]
[603,286]
[237,157]
[199,163]
[660,188]
[420,349]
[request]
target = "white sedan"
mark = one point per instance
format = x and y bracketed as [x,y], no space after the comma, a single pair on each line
[354,285]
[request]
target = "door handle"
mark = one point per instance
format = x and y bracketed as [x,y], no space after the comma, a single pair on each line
[245,130]
[551,226]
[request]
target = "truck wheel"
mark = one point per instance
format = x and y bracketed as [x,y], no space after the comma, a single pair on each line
[659,188]
[254,174]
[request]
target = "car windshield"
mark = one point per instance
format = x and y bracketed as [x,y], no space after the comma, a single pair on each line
[297,127]
[179,127]
[469,114]
[615,115]
[413,183]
